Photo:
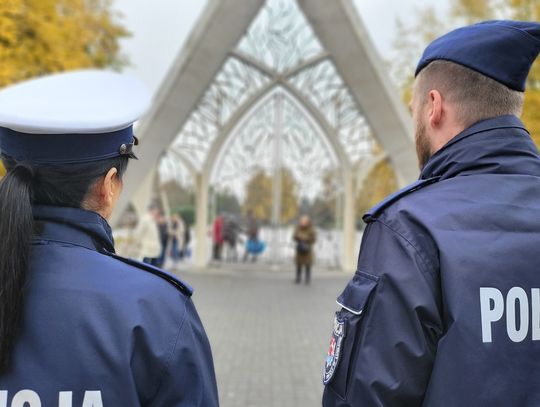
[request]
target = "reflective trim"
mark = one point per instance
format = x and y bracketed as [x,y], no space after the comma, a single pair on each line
[348,309]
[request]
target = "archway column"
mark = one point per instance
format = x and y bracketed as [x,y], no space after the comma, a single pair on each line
[349,223]
[201,223]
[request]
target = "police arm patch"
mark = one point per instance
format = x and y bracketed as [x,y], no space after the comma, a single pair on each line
[334,350]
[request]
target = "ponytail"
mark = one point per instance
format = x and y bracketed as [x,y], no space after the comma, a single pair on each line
[16,229]
[64,185]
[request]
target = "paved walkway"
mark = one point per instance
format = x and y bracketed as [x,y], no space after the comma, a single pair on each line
[269,336]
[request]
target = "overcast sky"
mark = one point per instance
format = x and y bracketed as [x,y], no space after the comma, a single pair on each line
[161,27]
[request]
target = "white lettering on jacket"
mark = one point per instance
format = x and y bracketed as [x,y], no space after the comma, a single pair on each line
[29,398]
[522,313]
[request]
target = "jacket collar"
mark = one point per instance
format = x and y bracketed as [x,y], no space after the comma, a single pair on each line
[73,226]
[498,145]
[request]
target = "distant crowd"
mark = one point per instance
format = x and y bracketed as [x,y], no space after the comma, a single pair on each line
[228,231]
[156,239]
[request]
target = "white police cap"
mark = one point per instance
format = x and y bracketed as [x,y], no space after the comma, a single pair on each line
[77,116]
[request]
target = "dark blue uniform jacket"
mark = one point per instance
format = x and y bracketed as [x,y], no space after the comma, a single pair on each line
[444,308]
[99,331]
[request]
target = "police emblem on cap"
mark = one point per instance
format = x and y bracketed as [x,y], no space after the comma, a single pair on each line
[334,350]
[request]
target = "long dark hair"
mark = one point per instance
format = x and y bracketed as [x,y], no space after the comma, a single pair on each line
[26,184]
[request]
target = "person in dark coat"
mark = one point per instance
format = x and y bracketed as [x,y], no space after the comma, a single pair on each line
[231,230]
[304,236]
[444,308]
[80,325]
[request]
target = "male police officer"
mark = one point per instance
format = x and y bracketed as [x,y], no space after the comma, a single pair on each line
[444,309]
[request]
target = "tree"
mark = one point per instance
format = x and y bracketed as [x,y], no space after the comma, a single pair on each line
[227,202]
[45,36]
[324,207]
[38,37]
[178,195]
[259,196]
[380,182]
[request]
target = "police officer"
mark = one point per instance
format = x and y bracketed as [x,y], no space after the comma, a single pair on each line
[444,308]
[80,326]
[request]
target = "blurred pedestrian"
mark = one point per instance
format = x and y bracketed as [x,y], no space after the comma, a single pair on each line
[177,236]
[163,231]
[146,237]
[254,246]
[304,236]
[230,236]
[186,251]
[217,238]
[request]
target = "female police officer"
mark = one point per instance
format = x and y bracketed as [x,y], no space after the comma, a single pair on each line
[80,326]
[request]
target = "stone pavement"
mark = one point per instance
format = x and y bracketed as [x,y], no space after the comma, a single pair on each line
[269,336]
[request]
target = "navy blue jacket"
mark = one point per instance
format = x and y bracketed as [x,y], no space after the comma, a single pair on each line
[99,331]
[444,308]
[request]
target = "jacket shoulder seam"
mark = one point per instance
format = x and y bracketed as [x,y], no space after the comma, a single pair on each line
[426,262]
[373,213]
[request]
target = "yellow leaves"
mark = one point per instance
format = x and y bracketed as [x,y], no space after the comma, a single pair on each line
[525,9]
[2,170]
[44,36]
[380,183]
[472,10]
[259,196]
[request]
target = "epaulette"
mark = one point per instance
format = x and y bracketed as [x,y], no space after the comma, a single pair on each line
[390,199]
[177,283]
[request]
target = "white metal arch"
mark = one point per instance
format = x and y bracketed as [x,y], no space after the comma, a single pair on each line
[312,113]
[215,39]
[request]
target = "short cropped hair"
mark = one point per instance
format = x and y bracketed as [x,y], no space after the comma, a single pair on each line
[476,96]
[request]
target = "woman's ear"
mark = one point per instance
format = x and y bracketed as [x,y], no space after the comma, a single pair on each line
[109,191]
[108,186]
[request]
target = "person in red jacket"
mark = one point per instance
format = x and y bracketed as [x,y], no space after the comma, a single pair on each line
[217,238]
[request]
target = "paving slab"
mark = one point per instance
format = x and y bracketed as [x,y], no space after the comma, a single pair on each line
[269,336]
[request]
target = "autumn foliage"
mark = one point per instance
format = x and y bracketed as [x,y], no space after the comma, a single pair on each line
[44,36]
[259,196]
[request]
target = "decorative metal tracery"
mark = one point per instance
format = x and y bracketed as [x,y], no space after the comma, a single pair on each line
[279,54]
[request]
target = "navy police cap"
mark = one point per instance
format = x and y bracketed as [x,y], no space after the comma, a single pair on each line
[504,50]
[78,116]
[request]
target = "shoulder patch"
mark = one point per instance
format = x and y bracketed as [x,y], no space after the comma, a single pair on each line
[390,199]
[175,281]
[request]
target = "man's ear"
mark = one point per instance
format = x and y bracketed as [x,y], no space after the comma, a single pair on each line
[109,186]
[435,108]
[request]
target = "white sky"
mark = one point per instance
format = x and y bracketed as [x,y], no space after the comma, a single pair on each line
[161,27]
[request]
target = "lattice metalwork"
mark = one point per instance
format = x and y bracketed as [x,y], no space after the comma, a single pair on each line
[279,49]
[303,150]
[235,83]
[171,168]
[322,85]
[248,150]
[280,37]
